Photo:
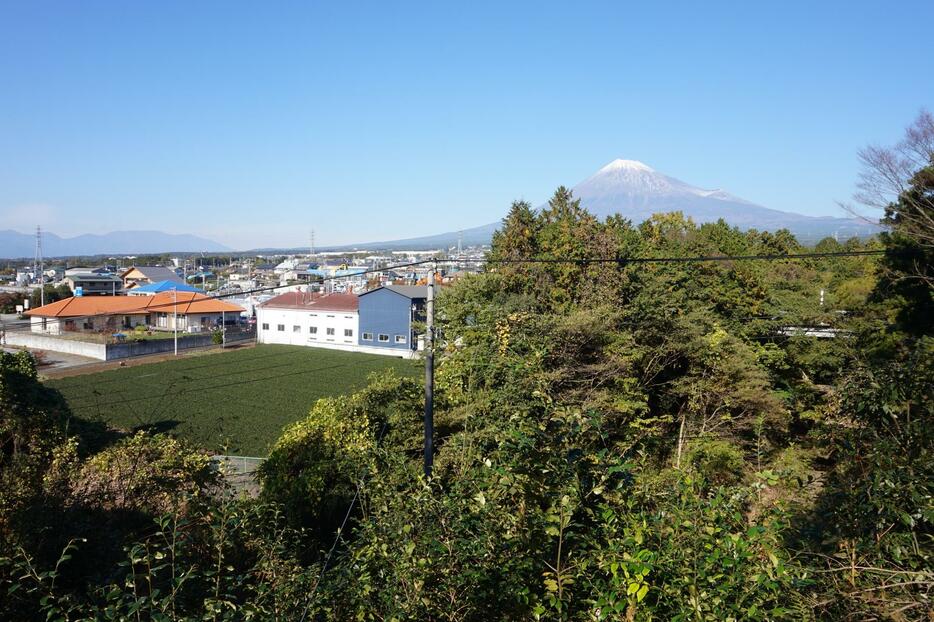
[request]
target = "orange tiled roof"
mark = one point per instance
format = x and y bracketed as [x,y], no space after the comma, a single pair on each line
[85,306]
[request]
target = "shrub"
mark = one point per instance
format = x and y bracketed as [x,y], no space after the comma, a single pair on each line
[719,462]
[315,466]
[148,473]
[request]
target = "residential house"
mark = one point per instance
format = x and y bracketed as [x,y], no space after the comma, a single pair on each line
[92,282]
[146,275]
[193,313]
[387,314]
[309,319]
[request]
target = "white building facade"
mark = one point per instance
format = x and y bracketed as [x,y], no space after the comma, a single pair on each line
[304,319]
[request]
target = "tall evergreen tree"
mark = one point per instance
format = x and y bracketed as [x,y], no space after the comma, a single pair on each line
[908,266]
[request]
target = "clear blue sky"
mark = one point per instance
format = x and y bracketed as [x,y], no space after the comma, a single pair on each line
[253,123]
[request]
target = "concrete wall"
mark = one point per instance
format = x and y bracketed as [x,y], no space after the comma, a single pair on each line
[44,342]
[109,352]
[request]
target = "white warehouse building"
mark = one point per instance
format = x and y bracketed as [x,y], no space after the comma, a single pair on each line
[309,319]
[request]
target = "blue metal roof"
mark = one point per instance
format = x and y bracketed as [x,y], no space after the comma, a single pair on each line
[165,286]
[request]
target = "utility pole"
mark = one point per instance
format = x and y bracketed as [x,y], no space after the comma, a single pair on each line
[223,329]
[175,316]
[430,373]
[39,268]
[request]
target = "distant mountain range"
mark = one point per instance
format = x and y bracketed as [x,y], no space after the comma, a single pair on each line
[636,191]
[626,187]
[15,245]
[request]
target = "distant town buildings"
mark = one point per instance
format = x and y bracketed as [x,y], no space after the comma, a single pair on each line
[360,301]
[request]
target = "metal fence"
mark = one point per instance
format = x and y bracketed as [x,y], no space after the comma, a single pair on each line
[239,471]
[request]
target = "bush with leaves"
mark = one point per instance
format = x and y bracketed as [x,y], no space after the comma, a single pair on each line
[317,464]
[877,532]
[31,421]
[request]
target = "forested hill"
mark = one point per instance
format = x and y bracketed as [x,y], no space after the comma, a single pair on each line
[645,441]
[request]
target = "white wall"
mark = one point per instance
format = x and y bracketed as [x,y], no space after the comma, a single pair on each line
[304,319]
[69,346]
[167,322]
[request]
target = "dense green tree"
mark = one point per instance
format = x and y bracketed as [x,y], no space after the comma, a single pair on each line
[908,268]
[30,430]
[53,293]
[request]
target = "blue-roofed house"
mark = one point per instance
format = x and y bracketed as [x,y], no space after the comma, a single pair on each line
[152,289]
[387,314]
[145,275]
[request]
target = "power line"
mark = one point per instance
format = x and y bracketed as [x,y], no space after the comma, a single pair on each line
[625,259]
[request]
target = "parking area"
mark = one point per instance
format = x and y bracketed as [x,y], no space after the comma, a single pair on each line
[58,360]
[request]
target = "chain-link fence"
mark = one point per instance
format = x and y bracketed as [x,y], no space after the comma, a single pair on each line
[240,472]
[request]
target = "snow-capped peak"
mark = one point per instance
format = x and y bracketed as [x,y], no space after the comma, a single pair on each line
[632,165]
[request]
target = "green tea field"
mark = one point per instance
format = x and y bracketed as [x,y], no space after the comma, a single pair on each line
[236,401]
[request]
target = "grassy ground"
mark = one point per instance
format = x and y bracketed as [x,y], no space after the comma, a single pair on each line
[241,398]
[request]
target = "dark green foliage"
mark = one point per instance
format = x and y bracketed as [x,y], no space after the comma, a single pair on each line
[31,422]
[52,294]
[318,463]
[718,462]
[878,507]
[908,269]
[613,442]
[8,302]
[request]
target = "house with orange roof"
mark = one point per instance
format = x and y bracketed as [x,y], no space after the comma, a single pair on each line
[189,311]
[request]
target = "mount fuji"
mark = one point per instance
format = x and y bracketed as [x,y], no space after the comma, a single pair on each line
[636,191]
